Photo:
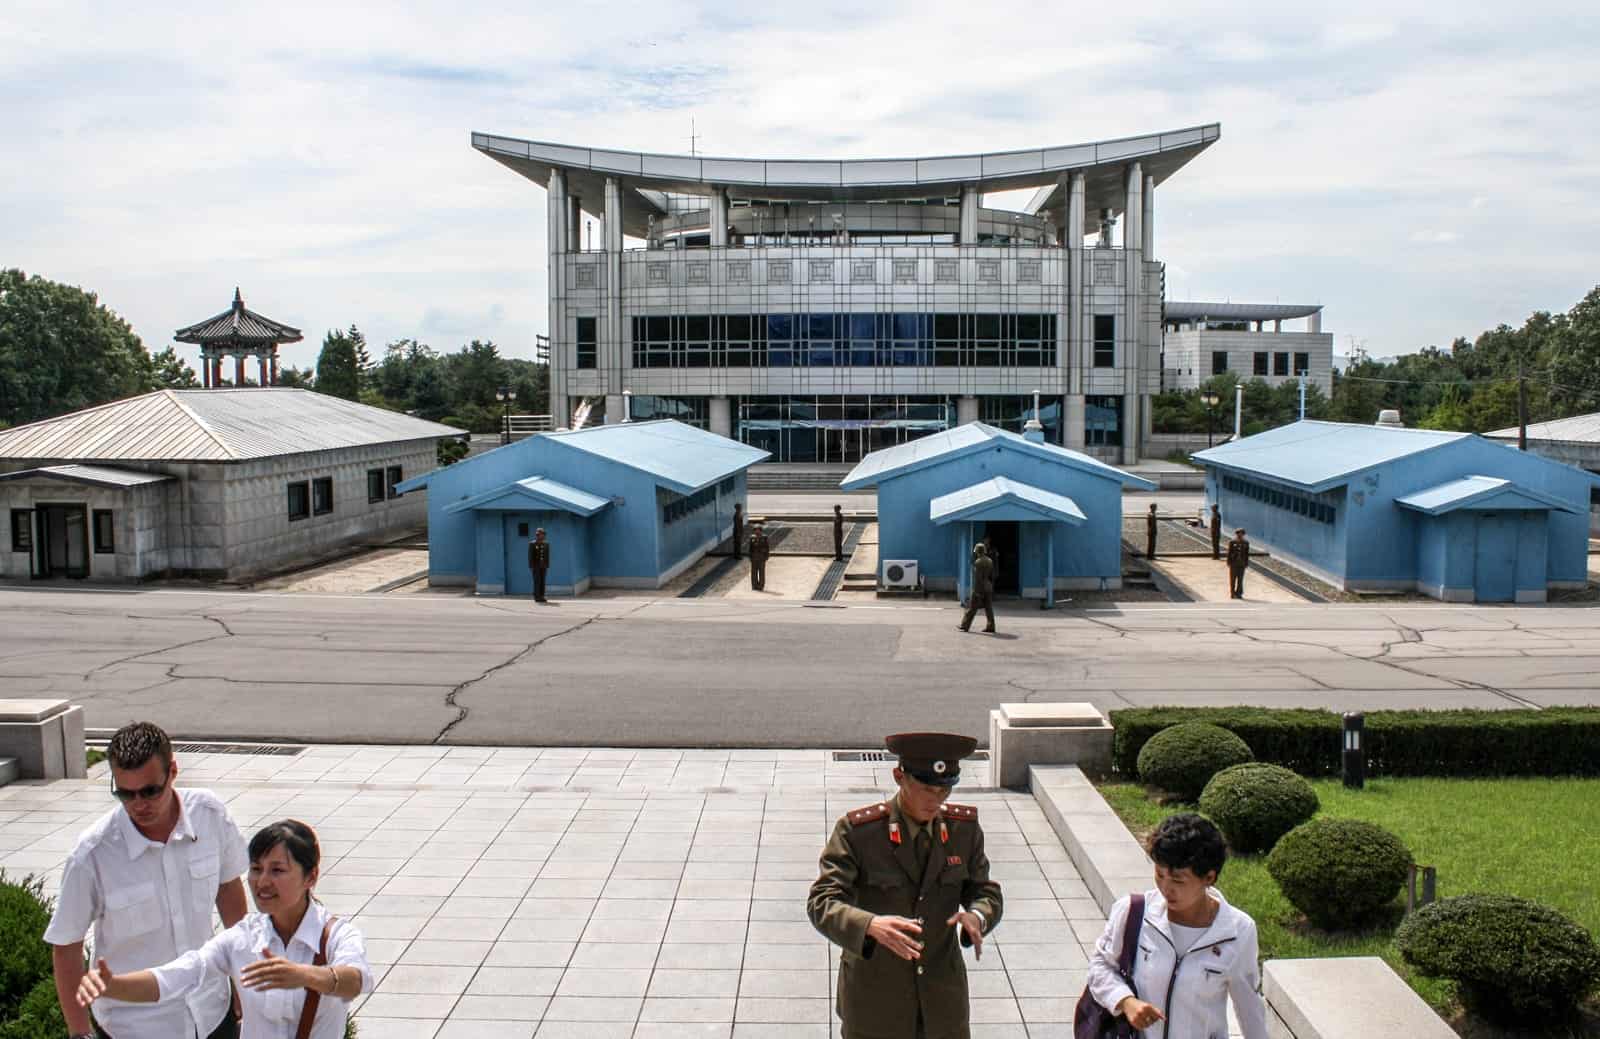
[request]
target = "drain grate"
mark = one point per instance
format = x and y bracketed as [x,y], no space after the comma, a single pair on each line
[883,755]
[278,750]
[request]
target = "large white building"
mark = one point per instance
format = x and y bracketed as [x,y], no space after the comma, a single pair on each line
[821,310]
[1206,339]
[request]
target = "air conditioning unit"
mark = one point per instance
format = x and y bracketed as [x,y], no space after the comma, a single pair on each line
[900,573]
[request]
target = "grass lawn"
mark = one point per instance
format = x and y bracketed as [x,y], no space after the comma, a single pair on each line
[1528,837]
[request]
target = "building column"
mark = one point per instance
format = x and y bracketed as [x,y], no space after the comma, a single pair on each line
[719,217]
[1075,358]
[966,410]
[1147,219]
[560,413]
[1130,428]
[574,224]
[969,214]
[1130,331]
[205,370]
[274,368]
[556,240]
[721,416]
[238,369]
[1072,421]
[615,404]
[613,347]
[261,366]
[216,371]
[1314,323]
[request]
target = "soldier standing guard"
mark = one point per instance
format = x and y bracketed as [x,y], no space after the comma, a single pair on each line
[1238,563]
[902,885]
[1150,533]
[838,533]
[759,551]
[982,594]
[738,531]
[1216,532]
[539,563]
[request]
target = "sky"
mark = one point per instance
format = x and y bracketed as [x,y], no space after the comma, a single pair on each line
[1423,170]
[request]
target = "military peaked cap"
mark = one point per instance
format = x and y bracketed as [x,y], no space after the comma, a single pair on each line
[933,758]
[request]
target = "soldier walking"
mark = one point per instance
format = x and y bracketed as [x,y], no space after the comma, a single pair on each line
[759,550]
[738,531]
[539,563]
[1238,563]
[902,886]
[982,593]
[1150,533]
[838,533]
[1216,532]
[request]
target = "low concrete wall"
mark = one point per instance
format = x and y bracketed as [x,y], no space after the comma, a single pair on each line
[1354,997]
[1110,861]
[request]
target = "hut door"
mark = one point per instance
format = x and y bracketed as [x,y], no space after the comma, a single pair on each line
[65,548]
[1495,560]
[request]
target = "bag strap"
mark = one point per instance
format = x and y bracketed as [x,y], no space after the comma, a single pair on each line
[1130,938]
[308,1012]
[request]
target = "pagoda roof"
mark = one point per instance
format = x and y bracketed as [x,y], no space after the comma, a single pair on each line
[238,326]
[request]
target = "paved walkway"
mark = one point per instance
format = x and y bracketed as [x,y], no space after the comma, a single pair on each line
[601,893]
[1206,579]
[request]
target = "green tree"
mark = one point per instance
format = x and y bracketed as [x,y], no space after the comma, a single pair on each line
[297,378]
[338,367]
[171,371]
[62,350]
[477,374]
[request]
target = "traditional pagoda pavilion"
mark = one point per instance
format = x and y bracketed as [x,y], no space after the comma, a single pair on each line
[238,333]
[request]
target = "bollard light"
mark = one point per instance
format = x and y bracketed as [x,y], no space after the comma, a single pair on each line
[1355,757]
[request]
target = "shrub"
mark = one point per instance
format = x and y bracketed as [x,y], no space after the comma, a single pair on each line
[1182,759]
[1512,958]
[1254,804]
[1559,741]
[38,1016]
[1339,872]
[24,957]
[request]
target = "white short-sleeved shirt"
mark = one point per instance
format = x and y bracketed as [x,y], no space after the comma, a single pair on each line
[274,1014]
[150,903]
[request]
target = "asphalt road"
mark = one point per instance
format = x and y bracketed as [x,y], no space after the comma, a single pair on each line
[639,672]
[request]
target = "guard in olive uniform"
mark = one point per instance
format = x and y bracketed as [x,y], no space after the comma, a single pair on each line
[758,555]
[903,885]
[538,562]
[738,531]
[1238,563]
[1216,532]
[982,594]
[838,533]
[1150,533]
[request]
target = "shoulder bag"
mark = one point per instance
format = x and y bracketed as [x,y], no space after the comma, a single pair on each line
[308,1012]
[1093,1021]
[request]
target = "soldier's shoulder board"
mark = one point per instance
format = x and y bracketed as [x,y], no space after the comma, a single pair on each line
[869,814]
[965,813]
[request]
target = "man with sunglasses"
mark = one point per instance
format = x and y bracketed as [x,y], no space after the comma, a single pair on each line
[145,877]
[903,885]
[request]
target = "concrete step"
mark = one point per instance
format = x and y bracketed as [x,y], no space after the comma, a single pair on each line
[9,772]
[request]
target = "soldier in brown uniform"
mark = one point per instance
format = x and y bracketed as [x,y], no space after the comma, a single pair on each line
[738,531]
[759,550]
[838,532]
[903,885]
[1150,533]
[1238,563]
[1216,532]
[538,562]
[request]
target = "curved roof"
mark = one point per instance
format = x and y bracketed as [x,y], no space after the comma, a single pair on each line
[647,174]
[237,326]
[1180,310]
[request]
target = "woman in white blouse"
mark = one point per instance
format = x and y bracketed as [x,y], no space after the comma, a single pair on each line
[288,954]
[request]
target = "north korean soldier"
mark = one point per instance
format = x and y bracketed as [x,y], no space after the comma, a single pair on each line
[539,563]
[1150,533]
[838,533]
[1238,563]
[759,551]
[903,885]
[982,594]
[738,531]
[1216,532]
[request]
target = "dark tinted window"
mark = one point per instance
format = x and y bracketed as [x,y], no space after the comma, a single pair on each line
[586,342]
[21,530]
[1105,341]
[322,496]
[375,485]
[104,531]
[299,501]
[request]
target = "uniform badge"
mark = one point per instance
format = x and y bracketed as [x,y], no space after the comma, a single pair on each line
[952,860]
[944,833]
[894,833]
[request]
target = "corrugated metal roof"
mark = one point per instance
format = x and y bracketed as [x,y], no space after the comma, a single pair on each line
[533,493]
[99,475]
[1185,310]
[973,436]
[1319,455]
[971,502]
[1481,492]
[682,457]
[215,426]
[1575,429]
[238,326]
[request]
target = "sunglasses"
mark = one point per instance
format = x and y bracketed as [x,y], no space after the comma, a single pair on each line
[144,793]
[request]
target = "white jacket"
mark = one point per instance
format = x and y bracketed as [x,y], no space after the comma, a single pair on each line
[1191,990]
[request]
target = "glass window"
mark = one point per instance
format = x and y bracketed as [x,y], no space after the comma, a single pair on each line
[780,326]
[322,496]
[392,476]
[21,530]
[1105,341]
[375,485]
[586,342]
[1260,363]
[1102,421]
[738,327]
[299,501]
[1219,362]
[1280,364]
[1302,363]
[104,532]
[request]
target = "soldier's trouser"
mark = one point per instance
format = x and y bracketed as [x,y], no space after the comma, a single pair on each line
[758,574]
[973,603]
[538,585]
[1236,582]
[1216,550]
[1149,548]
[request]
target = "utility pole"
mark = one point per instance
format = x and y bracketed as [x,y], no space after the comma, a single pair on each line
[1522,408]
[693,137]
[1302,396]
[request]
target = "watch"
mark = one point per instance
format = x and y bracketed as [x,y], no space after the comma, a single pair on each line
[983,921]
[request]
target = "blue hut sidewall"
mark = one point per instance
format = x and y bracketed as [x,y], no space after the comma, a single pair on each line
[1092,550]
[568,534]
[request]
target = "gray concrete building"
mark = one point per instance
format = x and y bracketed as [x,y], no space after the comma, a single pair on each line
[1206,339]
[1574,440]
[219,484]
[821,310]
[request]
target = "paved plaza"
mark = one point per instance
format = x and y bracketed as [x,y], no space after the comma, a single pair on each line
[599,893]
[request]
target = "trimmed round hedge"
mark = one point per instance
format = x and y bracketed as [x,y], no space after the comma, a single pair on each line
[1339,872]
[24,958]
[1511,958]
[1182,759]
[1255,804]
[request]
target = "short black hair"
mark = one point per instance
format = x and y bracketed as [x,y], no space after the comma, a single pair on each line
[298,839]
[1188,840]
[133,745]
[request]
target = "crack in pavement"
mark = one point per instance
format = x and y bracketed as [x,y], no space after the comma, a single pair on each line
[522,654]
[227,633]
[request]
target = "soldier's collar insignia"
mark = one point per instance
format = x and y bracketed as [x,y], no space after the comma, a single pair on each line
[894,832]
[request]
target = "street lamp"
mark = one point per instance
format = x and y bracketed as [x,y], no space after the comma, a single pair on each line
[1210,399]
[503,395]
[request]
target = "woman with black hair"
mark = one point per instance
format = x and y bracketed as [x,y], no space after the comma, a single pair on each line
[293,961]
[1195,951]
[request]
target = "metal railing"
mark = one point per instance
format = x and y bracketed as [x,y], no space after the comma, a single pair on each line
[515,427]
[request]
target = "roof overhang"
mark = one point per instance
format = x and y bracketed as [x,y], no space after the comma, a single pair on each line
[1483,494]
[91,475]
[1001,499]
[537,493]
[1187,310]
[644,176]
